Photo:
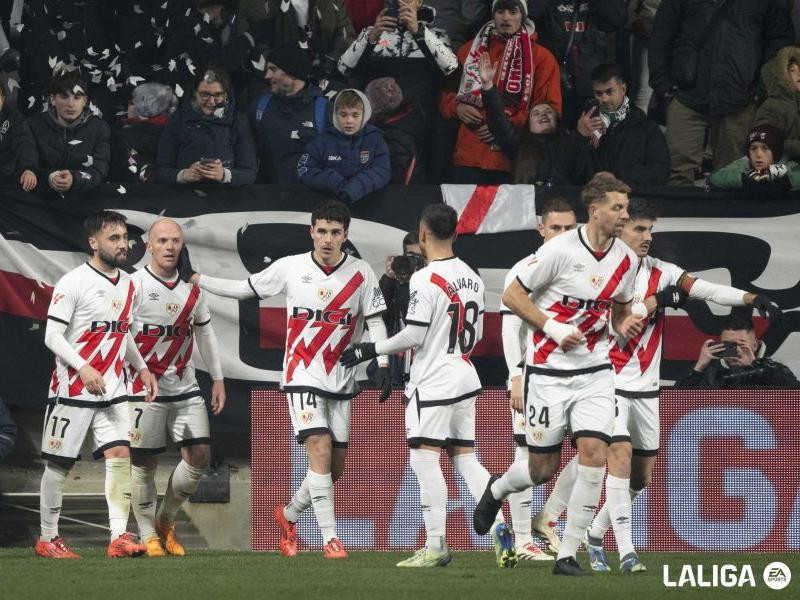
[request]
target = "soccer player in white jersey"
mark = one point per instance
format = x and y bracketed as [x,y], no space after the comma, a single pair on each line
[582,279]
[556,218]
[171,317]
[329,295]
[635,439]
[444,321]
[87,329]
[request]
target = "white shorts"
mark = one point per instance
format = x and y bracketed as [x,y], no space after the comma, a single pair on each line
[315,415]
[440,422]
[554,405]
[636,421]
[518,426]
[186,420]
[66,426]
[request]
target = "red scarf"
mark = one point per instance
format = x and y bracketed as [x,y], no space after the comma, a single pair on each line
[515,80]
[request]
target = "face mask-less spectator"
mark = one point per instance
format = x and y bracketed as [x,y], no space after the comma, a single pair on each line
[543,119]
[68,95]
[288,67]
[764,146]
[211,93]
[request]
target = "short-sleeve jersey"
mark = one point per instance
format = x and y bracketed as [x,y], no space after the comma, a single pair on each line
[165,314]
[325,311]
[637,362]
[446,297]
[97,312]
[577,285]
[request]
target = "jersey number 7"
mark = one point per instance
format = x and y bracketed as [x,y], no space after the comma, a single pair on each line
[462,326]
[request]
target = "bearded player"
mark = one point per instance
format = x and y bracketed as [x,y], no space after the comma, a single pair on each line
[88,324]
[171,317]
[329,296]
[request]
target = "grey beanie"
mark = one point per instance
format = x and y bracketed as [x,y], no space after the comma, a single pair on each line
[384,95]
[153,99]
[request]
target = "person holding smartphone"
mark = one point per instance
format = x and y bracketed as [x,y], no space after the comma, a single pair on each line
[737,360]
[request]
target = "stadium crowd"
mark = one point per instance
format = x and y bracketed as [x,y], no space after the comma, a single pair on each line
[347,96]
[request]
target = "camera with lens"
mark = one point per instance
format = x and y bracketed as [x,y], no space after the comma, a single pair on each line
[405,265]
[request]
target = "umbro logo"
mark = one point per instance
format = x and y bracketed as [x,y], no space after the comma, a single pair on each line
[153,296]
[578,267]
[306,279]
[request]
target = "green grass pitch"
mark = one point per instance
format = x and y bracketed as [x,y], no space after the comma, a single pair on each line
[223,575]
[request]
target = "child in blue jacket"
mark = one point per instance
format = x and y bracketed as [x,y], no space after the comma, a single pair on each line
[351,159]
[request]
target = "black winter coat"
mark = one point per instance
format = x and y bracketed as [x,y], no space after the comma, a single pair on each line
[134,146]
[405,134]
[84,149]
[17,146]
[635,151]
[750,33]
[190,136]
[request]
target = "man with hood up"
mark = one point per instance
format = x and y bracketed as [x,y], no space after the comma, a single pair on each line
[781,109]
[351,160]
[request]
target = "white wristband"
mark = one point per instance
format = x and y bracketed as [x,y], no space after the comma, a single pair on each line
[557,330]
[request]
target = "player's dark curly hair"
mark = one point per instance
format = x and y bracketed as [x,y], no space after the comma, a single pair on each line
[95,222]
[441,220]
[640,208]
[332,210]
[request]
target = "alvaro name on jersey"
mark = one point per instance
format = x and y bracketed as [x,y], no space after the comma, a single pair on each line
[576,285]
[97,312]
[636,362]
[166,314]
[447,297]
[326,308]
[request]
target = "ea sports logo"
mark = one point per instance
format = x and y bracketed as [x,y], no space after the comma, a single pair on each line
[777,575]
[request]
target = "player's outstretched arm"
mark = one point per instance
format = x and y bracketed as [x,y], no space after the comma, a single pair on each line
[208,347]
[134,358]
[227,288]
[409,337]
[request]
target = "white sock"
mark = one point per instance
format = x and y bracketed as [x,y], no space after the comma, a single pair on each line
[557,501]
[520,505]
[581,508]
[300,501]
[320,486]
[516,479]
[475,475]
[602,521]
[118,494]
[432,495]
[50,495]
[182,484]
[618,499]
[143,500]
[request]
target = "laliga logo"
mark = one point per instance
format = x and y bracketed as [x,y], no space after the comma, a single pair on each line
[777,576]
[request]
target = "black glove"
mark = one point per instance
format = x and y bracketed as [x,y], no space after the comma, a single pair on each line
[383,380]
[768,308]
[185,270]
[358,353]
[671,296]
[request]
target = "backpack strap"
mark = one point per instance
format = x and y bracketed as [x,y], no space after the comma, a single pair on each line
[263,102]
[320,106]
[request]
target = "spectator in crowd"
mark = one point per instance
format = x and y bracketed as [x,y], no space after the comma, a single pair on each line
[17,147]
[321,25]
[72,143]
[461,19]
[350,161]
[707,55]
[526,73]
[404,130]
[406,46]
[737,361]
[134,144]
[289,116]
[537,151]
[614,136]
[206,140]
[781,109]
[764,172]
[581,47]
[640,27]
[8,432]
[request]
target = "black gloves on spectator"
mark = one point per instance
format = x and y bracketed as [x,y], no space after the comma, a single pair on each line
[185,270]
[383,380]
[768,308]
[358,353]
[671,296]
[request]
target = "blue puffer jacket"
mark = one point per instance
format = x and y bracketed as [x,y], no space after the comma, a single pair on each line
[347,166]
[189,136]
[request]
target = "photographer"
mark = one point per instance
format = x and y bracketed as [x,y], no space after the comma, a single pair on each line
[736,361]
[394,285]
